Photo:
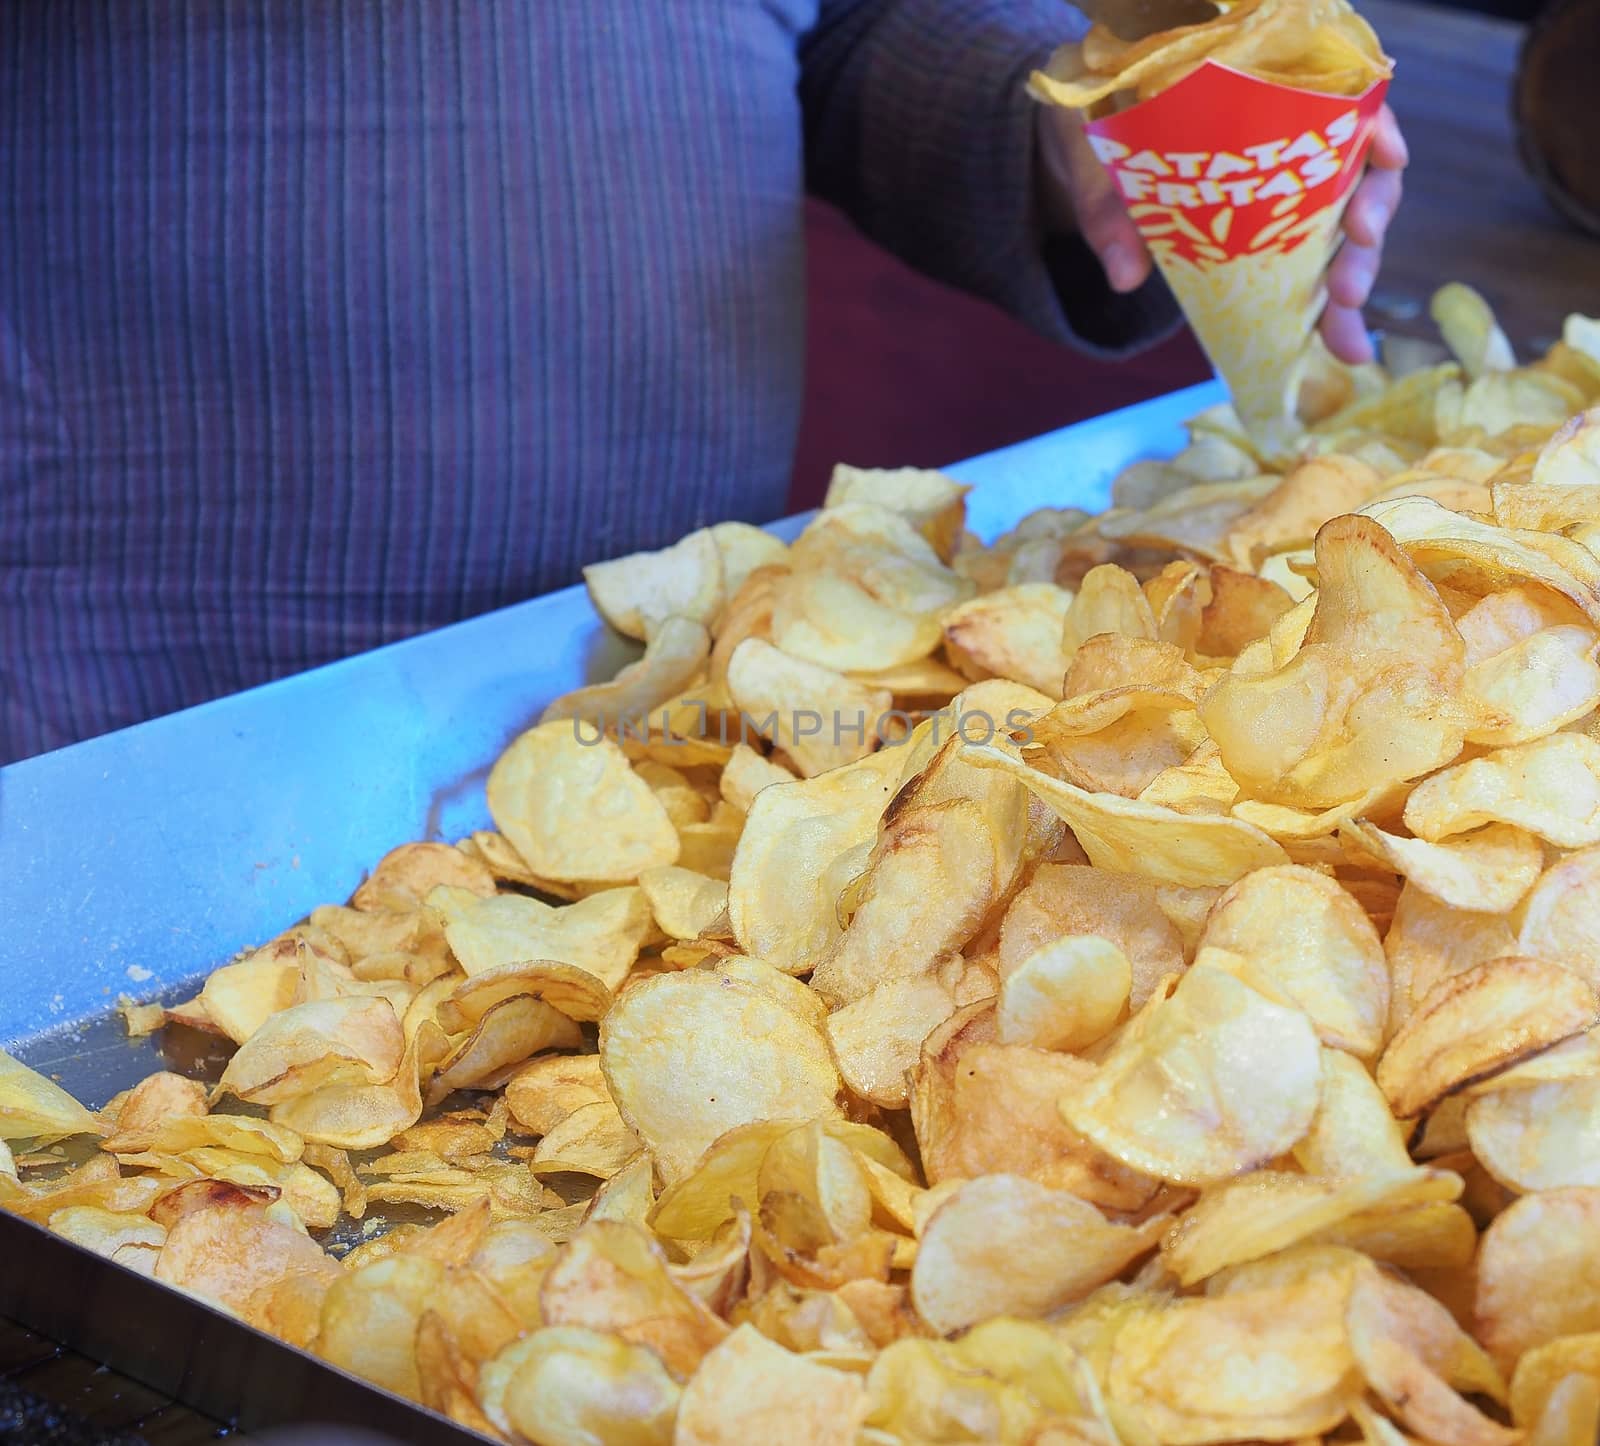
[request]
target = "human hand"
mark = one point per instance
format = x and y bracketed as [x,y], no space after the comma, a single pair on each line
[1078,194]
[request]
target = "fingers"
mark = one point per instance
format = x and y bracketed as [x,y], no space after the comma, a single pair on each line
[1080,187]
[1350,277]
[1346,334]
[1389,151]
[1372,207]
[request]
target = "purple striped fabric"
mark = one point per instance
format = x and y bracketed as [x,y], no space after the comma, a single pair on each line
[322,324]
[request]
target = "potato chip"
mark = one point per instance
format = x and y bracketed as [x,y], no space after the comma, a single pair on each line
[570,1385]
[750,1389]
[1270,1362]
[1013,632]
[819,717]
[683,902]
[1542,1370]
[240,998]
[749,1059]
[1470,330]
[545,1091]
[1178,1095]
[1538,1136]
[1127,836]
[1560,919]
[370,1319]
[131,1240]
[1538,1270]
[978,1107]
[930,880]
[1289,515]
[933,503]
[637,593]
[1475,1023]
[1109,600]
[673,659]
[1265,1211]
[613,1277]
[1487,870]
[159,1101]
[1300,940]
[1369,700]
[592,1140]
[1008,1246]
[877,1038]
[1550,787]
[1411,1353]
[307,1045]
[1428,941]
[403,876]
[600,934]
[226,1253]
[573,808]
[1064,995]
[350,1115]
[779,901]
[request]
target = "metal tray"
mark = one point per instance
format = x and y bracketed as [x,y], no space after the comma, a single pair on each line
[134,863]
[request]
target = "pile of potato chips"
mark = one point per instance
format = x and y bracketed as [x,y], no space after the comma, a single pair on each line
[1133,982]
[1321,45]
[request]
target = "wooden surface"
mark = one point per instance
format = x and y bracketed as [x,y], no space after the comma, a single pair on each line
[1471,212]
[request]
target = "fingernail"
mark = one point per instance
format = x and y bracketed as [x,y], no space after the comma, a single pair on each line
[1122,266]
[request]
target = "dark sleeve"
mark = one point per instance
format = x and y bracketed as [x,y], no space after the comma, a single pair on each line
[919,127]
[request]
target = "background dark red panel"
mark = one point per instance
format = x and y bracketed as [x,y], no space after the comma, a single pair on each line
[901,371]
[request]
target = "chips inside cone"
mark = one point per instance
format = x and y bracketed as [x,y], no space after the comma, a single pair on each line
[1235,144]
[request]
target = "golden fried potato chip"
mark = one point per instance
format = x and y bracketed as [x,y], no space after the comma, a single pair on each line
[1314,492]
[545,1091]
[226,1253]
[780,902]
[1178,1096]
[600,934]
[933,503]
[930,880]
[877,1038]
[307,1045]
[403,876]
[1475,1023]
[592,1140]
[1487,870]
[131,1240]
[1368,700]
[749,1058]
[614,1277]
[1067,994]
[683,902]
[370,1318]
[1412,1352]
[1109,600]
[1428,941]
[1470,330]
[1004,1245]
[240,998]
[1266,1363]
[978,1107]
[746,773]
[1542,1371]
[1258,1214]
[567,1384]
[349,1115]
[1560,917]
[751,1389]
[673,659]
[1299,939]
[1538,1136]
[1539,1272]
[819,717]
[574,810]
[1013,632]
[158,1101]
[1127,836]
[1550,787]
[637,593]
